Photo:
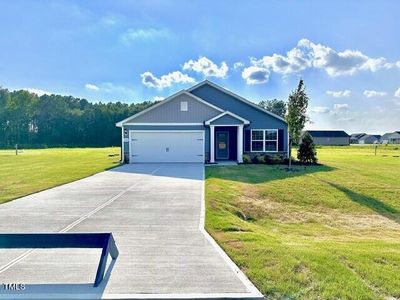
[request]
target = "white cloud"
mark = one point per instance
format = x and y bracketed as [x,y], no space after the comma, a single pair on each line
[111,20]
[336,63]
[398,64]
[397,93]
[133,35]
[158,98]
[91,87]
[339,94]
[38,92]
[295,60]
[307,54]
[148,79]
[342,106]
[372,93]
[238,65]
[207,67]
[319,109]
[255,75]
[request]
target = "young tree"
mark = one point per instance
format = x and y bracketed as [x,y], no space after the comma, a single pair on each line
[275,106]
[307,153]
[296,115]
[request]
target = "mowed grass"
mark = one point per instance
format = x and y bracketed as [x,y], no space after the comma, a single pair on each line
[326,232]
[40,169]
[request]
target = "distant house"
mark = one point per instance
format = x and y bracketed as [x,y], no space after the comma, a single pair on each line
[355,137]
[385,138]
[369,139]
[391,138]
[330,137]
[394,138]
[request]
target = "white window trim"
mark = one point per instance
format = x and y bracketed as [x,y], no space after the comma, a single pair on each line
[264,140]
[184,106]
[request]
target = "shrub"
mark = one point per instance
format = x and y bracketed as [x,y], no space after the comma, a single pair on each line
[268,159]
[277,159]
[258,159]
[306,152]
[246,159]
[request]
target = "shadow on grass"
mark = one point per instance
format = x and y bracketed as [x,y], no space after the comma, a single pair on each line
[255,174]
[376,205]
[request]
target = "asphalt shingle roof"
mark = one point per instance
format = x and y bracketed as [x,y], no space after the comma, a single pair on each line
[327,133]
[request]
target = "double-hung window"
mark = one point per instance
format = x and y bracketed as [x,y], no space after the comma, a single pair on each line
[264,140]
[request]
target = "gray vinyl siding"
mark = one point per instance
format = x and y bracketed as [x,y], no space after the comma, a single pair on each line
[170,112]
[226,120]
[338,141]
[258,119]
[368,140]
[394,138]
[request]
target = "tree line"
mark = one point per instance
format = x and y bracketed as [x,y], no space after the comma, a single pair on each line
[56,121]
[33,121]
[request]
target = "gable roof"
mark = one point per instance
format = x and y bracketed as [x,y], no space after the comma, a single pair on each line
[236,96]
[395,134]
[327,133]
[376,136]
[182,92]
[386,135]
[357,135]
[208,122]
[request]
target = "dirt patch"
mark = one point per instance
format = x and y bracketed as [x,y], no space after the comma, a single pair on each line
[235,244]
[254,206]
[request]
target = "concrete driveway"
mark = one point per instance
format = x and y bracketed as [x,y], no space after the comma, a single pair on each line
[156,214]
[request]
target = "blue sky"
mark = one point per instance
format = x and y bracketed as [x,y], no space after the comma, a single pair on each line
[348,52]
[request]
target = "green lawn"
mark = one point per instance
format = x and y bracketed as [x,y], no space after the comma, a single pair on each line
[329,232]
[36,170]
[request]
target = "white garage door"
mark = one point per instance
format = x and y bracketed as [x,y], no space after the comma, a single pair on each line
[166,146]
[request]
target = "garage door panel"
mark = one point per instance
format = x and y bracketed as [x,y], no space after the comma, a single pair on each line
[163,146]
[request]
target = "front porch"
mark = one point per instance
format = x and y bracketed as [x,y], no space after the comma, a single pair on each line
[226,137]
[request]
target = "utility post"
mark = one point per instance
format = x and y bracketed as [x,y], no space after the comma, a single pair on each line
[16,149]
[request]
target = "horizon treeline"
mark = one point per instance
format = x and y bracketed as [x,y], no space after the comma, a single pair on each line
[36,121]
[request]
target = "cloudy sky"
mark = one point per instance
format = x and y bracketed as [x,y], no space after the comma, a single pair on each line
[348,52]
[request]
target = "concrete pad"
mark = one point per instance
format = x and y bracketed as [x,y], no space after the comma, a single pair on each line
[156,214]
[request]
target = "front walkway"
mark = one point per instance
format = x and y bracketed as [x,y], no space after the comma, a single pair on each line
[155,212]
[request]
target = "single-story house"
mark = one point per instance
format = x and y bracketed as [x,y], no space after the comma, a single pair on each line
[205,123]
[395,138]
[391,138]
[385,138]
[355,137]
[370,139]
[330,137]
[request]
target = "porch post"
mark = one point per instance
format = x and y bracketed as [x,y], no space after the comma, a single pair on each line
[212,143]
[240,143]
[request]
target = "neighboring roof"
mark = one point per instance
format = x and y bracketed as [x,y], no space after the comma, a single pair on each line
[395,134]
[390,134]
[182,92]
[226,91]
[357,135]
[369,136]
[327,133]
[227,113]
[386,135]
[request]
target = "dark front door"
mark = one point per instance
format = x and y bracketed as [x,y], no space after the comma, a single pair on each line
[222,141]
